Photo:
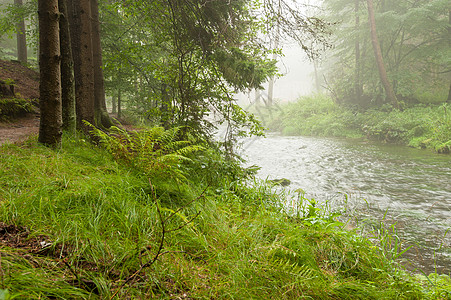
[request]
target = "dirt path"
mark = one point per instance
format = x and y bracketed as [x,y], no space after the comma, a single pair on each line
[19,130]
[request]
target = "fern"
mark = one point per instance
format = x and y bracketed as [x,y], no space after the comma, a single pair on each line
[155,152]
[287,260]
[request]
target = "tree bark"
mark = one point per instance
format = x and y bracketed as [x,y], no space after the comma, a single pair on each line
[50,86]
[390,94]
[101,114]
[67,71]
[21,37]
[80,24]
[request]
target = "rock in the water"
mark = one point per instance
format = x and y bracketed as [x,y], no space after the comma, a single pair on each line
[282,182]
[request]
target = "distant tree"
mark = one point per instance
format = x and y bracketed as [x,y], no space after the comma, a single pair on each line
[390,94]
[414,49]
[21,37]
[50,129]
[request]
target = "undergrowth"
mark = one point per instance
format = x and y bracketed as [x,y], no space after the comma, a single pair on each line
[14,107]
[419,126]
[84,222]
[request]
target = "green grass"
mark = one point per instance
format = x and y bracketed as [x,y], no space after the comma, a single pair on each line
[419,126]
[89,227]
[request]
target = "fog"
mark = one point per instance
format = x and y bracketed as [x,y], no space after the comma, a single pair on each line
[296,77]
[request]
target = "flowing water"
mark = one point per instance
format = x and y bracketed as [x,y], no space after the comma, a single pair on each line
[407,189]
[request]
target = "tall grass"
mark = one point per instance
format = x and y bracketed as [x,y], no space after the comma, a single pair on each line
[88,226]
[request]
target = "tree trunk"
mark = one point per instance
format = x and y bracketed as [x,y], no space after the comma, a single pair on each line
[449,43]
[49,64]
[101,114]
[390,94]
[21,37]
[114,104]
[119,103]
[67,71]
[80,24]
[449,94]
[357,83]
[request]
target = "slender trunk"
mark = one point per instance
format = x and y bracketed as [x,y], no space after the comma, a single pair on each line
[317,84]
[357,82]
[119,103]
[165,107]
[114,104]
[21,37]
[102,117]
[449,43]
[449,94]
[391,97]
[49,64]
[67,71]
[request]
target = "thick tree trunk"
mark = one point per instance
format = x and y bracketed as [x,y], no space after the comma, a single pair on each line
[21,38]
[390,94]
[67,71]
[50,86]
[101,114]
[80,24]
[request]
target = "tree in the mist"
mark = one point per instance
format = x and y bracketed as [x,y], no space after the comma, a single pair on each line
[50,85]
[389,93]
[449,45]
[21,37]
[413,41]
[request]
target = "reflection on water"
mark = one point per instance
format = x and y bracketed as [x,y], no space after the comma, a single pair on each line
[411,187]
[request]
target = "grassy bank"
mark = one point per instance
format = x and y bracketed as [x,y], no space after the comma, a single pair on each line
[86,223]
[420,126]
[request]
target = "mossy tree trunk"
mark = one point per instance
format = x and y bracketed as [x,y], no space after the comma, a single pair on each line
[50,128]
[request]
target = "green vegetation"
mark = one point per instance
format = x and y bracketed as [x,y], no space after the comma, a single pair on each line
[13,107]
[424,126]
[82,222]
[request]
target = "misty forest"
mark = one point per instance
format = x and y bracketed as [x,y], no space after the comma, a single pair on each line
[225,149]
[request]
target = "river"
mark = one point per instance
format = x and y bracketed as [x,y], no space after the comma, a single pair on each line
[407,189]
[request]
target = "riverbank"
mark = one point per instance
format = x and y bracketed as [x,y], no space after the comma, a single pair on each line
[420,126]
[82,222]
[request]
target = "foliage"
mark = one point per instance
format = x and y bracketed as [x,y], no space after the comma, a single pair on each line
[414,38]
[11,14]
[80,225]
[13,107]
[417,126]
[154,151]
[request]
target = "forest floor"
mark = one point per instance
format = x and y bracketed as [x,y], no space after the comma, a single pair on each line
[26,85]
